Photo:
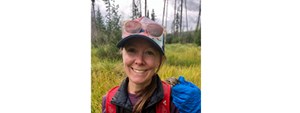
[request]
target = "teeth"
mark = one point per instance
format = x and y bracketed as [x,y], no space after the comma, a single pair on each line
[139,71]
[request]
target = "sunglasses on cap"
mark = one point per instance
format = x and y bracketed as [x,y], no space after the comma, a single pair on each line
[152,30]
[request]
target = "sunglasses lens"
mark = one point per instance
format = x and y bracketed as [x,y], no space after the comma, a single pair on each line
[154,30]
[133,27]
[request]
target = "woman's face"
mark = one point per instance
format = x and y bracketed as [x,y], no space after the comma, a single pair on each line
[140,61]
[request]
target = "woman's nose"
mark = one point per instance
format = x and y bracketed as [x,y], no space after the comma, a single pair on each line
[139,59]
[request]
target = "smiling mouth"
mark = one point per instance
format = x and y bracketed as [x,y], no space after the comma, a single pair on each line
[139,70]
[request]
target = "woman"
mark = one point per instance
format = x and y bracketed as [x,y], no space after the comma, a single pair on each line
[142,49]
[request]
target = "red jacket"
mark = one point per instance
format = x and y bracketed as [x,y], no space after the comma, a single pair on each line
[116,101]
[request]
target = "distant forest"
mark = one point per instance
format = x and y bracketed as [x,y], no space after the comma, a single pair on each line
[106,29]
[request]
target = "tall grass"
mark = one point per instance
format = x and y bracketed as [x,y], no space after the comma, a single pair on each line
[182,60]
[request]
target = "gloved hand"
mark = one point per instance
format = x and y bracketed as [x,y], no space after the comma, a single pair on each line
[186,96]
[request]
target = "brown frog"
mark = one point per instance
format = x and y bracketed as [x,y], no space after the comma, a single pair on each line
[172,81]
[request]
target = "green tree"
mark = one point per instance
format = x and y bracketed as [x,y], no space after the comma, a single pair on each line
[113,28]
[197,36]
[136,12]
[110,32]
[177,23]
[99,21]
[153,15]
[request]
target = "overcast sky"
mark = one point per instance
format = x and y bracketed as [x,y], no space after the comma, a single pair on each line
[126,5]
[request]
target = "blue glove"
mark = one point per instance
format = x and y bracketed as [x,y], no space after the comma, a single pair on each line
[186,96]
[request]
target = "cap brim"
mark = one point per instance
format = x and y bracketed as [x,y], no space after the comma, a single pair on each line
[122,42]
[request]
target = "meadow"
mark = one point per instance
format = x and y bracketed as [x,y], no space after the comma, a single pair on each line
[182,60]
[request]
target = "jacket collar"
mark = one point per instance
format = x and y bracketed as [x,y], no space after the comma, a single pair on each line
[121,97]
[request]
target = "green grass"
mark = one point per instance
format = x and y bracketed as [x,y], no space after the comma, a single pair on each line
[182,60]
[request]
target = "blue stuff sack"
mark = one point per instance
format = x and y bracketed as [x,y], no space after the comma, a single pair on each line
[186,96]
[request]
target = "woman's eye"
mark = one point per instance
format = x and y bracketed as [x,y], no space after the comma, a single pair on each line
[149,53]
